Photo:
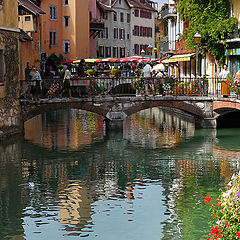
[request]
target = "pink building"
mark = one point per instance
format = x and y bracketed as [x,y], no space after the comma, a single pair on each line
[96,25]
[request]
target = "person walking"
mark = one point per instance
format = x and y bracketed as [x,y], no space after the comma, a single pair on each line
[66,83]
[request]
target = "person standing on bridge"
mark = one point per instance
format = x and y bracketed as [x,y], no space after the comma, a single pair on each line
[66,83]
[224,74]
[147,74]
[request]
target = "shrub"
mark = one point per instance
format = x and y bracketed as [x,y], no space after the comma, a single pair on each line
[226,212]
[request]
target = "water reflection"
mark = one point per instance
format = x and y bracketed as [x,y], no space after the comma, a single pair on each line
[62,130]
[158,128]
[148,183]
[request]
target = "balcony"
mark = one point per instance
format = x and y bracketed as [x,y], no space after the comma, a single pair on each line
[96,26]
[169,12]
[167,47]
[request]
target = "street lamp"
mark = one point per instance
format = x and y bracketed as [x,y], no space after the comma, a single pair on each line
[142,53]
[150,48]
[197,41]
[155,51]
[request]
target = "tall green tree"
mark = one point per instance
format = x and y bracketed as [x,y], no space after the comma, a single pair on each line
[211,19]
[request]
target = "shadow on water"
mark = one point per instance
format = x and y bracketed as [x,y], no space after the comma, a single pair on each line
[128,184]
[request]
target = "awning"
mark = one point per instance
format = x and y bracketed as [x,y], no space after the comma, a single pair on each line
[179,58]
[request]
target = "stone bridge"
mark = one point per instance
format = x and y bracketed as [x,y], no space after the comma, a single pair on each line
[115,109]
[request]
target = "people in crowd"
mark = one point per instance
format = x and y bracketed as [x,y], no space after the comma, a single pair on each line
[66,83]
[224,73]
[35,83]
[82,74]
[28,69]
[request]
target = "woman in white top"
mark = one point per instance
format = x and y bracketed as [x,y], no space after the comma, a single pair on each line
[66,83]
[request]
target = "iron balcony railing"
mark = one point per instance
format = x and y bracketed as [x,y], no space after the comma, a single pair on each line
[129,86]
[168,12]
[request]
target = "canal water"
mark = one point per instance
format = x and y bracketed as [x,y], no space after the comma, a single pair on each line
[68,179]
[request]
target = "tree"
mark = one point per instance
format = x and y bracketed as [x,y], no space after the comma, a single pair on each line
[211,19]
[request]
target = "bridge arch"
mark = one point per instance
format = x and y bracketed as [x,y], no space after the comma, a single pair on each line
[181,105]
[30,111]
[225,107]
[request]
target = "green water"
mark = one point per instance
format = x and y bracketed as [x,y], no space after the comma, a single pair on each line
[68,179]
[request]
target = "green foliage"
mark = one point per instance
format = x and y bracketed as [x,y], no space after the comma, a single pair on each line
[91,72]
[114,72]
[226,212]
[211,19]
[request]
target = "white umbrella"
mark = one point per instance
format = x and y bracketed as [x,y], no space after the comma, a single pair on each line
[159,67]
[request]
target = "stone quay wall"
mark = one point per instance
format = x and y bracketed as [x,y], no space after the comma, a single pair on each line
[10,118]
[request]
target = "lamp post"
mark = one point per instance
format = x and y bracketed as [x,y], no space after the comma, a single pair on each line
[197,41]
[150,48]
[155,51]
[142,53]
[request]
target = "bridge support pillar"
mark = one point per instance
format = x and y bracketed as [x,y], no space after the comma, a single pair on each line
[208,123]
[116,124]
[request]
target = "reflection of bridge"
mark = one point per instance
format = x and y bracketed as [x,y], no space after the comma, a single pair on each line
[115,109]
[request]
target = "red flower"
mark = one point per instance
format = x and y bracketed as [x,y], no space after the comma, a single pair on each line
[214,216]
[238,234]
[211,205]
[207,199]
[219,203]
[227,224]
[215,230]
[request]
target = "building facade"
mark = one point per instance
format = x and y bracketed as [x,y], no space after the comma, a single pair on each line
[65,28]
[233,49]
[143,15]
[115,40]
[30,34]
[9,71]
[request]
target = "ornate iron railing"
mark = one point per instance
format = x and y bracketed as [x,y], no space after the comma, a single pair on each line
[130,86]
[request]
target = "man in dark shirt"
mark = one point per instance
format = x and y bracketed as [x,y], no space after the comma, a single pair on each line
[80,69]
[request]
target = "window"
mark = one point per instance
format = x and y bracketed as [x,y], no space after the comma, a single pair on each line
[53,12]
[114,16]
[101,51]
[128,36]
[115,51]
[105,33]
[121,17]
[66,21]
[66,3]
[128,18]
[107,51]
[141,13]
[141,31]
[136,49]
[122,52]
[122,33]
[136,13]
[120,2]
[27,19]
[115,30]
[66,46]
[1,4]
[105,16]
[231,10]
[53,38]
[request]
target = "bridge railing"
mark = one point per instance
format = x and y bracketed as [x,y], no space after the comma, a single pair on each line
[127,86]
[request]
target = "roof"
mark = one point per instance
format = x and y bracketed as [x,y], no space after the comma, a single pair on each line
[138,4]
[23,36]
[30,6]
